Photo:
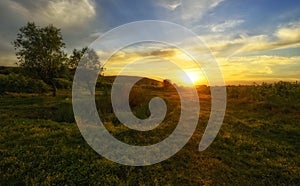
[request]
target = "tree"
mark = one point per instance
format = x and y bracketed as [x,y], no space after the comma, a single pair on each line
[88,65]
[167,83]
[76,57]
[40,52]
[85,58]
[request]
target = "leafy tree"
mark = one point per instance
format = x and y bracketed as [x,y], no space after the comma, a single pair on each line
[88,65]
[86,58]
[76,57]
[40,52]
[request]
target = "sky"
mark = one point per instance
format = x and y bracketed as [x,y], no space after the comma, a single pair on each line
[252,40]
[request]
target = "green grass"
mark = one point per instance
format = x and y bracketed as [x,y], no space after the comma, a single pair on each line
[257,144]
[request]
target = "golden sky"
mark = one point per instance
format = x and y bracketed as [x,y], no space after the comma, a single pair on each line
[252,40]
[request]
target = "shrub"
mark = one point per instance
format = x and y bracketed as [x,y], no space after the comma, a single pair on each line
[64,113]
[21,84]
[62,83]
[277,96]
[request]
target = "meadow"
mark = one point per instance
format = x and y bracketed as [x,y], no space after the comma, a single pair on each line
[258,144]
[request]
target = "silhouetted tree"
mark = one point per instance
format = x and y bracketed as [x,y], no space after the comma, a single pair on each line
[88,65]
[76,57]
[40,52]
[167,83]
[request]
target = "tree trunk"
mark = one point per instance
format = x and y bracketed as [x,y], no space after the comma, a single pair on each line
[53,88]
[90,88]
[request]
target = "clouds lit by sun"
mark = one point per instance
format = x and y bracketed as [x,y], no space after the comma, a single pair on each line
[251,40]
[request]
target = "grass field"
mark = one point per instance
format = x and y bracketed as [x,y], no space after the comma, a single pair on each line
[258,143]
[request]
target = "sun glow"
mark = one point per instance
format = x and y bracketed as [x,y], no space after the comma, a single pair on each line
[195,78]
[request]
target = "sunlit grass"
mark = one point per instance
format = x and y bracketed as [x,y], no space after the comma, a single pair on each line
[257,144]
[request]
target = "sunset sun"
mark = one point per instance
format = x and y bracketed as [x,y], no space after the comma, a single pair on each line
[195,78]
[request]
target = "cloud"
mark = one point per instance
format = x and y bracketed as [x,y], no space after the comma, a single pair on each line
[226,25]
[285,38]
[187,11]
[150,53]
[169,4]
[164,52]
[264,60]
[228,44]
[75,18]
[260,68]
[289,34]
[213,29]
[8,60]
[62,13]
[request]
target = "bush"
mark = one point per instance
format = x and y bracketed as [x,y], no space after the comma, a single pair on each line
[276,96]
[63,83]
[21,84]
[64,113]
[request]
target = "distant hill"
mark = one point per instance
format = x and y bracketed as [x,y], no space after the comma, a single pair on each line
[143,82]
[106,80]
